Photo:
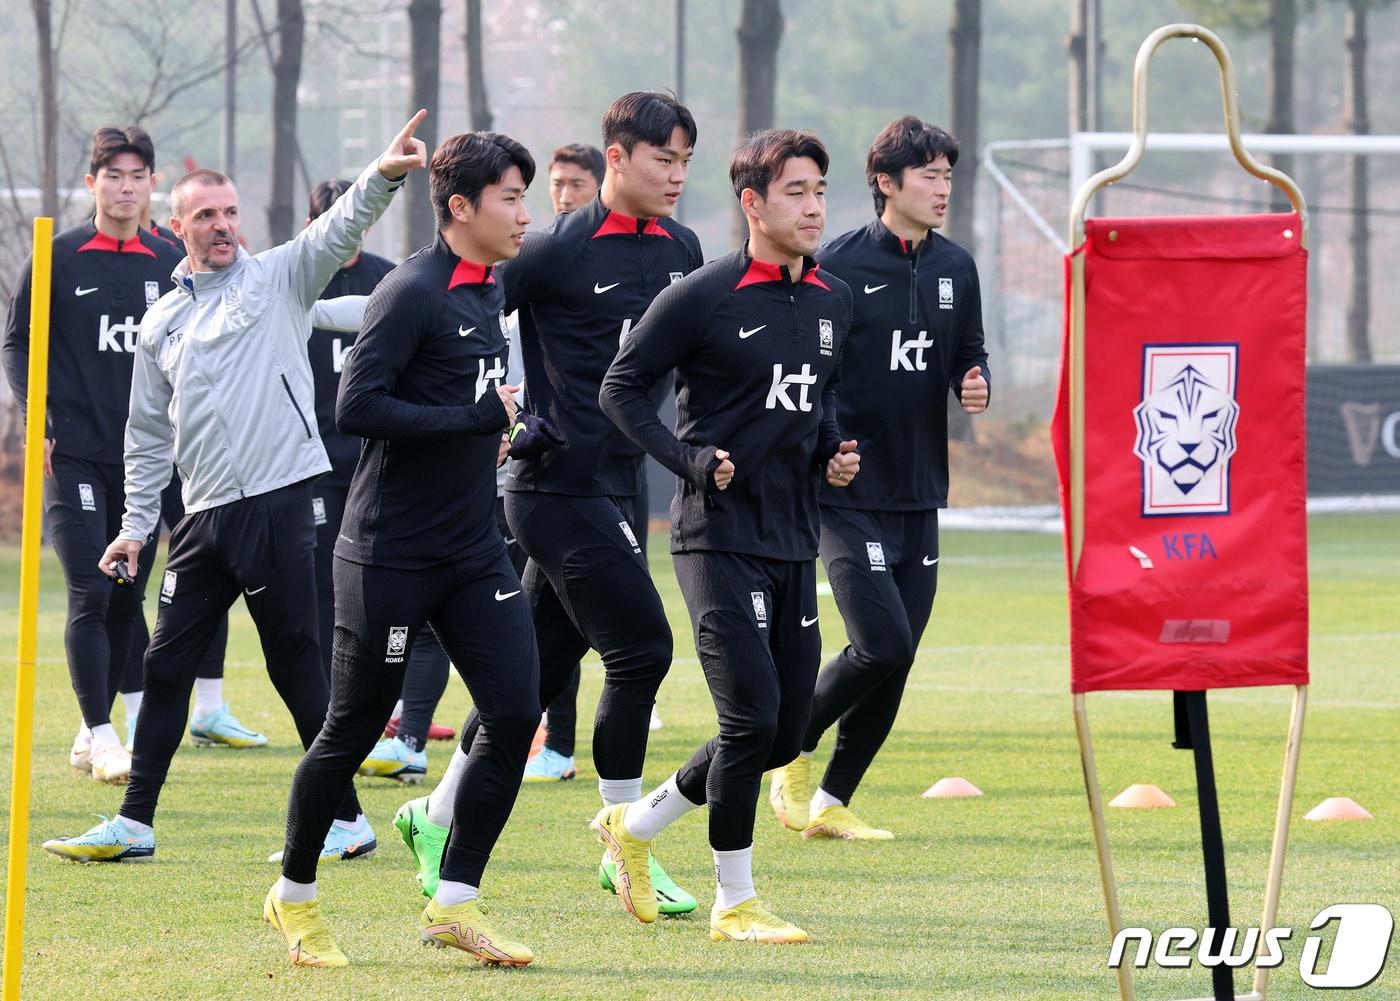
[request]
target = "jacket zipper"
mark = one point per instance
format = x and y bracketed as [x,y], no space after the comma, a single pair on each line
[288,387]
[914,282]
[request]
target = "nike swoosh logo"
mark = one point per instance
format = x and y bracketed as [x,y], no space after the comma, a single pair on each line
[258,591]
[875,288]
[749,333]
[930,562]
[600,289]
[464,331]
[84,291]
[809,622]
[503,597]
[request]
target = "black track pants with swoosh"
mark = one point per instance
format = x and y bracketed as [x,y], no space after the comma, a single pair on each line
[264,548]
[757,636]
[883,568]
[481,616]
[589,587]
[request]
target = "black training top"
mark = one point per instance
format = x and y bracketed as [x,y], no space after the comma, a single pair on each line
[580,286]
[100,291]
[757,356]
[917,330]
[328,350]
[421,387]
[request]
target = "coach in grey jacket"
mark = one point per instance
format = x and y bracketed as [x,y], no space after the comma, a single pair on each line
[222,379]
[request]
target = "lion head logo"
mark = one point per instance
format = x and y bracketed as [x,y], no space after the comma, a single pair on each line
[1186,429]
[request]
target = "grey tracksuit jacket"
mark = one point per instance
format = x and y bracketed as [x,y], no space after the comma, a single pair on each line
[222,380]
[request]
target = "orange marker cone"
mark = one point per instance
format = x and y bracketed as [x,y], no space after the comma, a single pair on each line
[1142,797]
[1338,808]
[951,787]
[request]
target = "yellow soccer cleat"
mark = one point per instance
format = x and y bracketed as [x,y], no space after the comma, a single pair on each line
[464,926]
[752,922]
[304,930]
[839,822]
[632,881]
[790,793]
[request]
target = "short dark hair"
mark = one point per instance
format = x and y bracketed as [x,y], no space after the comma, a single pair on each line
[204,176]
[905,142]
[324,195]
[108,142]
[581,155]
[647,116]
[761,156]
[467,163]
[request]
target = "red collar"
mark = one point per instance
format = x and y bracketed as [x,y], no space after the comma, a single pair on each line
[470,273]
[761,271]
[617,224]
[101,241]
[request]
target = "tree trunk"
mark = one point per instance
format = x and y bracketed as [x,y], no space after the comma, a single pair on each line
[48,107]
[1283,29]
[478,105]
[425,44]
[286,75]
[680,51]
[760,32]
[229,147]
[1359,297]
[964,64]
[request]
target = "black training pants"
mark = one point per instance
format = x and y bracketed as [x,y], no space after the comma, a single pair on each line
[756,634]
[478,611]
[883,568]
[263,546]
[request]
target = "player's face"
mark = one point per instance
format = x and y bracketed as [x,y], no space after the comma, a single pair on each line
[793,214]
[208,224]
[498,223]
[923,194]
[122,188]
[651,177]
[570,187]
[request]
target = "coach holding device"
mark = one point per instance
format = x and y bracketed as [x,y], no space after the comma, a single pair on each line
[222,380]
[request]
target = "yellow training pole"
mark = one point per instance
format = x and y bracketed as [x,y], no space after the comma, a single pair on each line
[28,605]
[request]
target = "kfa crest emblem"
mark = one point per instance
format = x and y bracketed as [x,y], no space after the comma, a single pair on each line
[1186,427]
[824,336]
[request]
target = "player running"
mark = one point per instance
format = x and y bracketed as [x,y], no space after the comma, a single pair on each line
[917,334]
[419,546]
[222,382]
[756,341]
[579,288]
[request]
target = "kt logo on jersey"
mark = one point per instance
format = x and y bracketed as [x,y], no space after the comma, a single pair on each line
[1186,427]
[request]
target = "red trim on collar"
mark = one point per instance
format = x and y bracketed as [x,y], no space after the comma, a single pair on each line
[761,271]
[470,273]
[101,241]
[617,224]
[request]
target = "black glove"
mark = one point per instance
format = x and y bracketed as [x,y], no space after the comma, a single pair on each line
[532,436]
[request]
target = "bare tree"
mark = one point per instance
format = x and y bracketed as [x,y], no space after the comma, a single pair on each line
[760,33]
[1283,30]
[229,144]
[286,75]
[964,69]
[425,41]
[1084,50]
[48,106]
[478,105]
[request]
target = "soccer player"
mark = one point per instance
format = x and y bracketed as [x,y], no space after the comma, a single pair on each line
[756,342]
[106,274]
[419,546]
[575,175]
[917,334]
[223,383]
[579,287]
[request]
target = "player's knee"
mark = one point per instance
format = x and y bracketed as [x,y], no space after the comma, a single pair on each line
[514,723]
[89,597]
[889,649]
[757,731]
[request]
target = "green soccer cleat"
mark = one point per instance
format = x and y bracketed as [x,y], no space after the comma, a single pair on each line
[670,898]
[426,840]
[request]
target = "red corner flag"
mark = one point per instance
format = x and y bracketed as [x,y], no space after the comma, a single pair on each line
[1193,573]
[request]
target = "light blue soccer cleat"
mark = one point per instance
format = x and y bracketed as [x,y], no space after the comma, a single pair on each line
[109,841]
[391,758]
[550,766]
[344,844]
[221,728]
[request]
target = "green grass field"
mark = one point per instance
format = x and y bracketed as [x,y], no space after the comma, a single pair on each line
[996,897]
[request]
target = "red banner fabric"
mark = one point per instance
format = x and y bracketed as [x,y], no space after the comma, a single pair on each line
[1194,571]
